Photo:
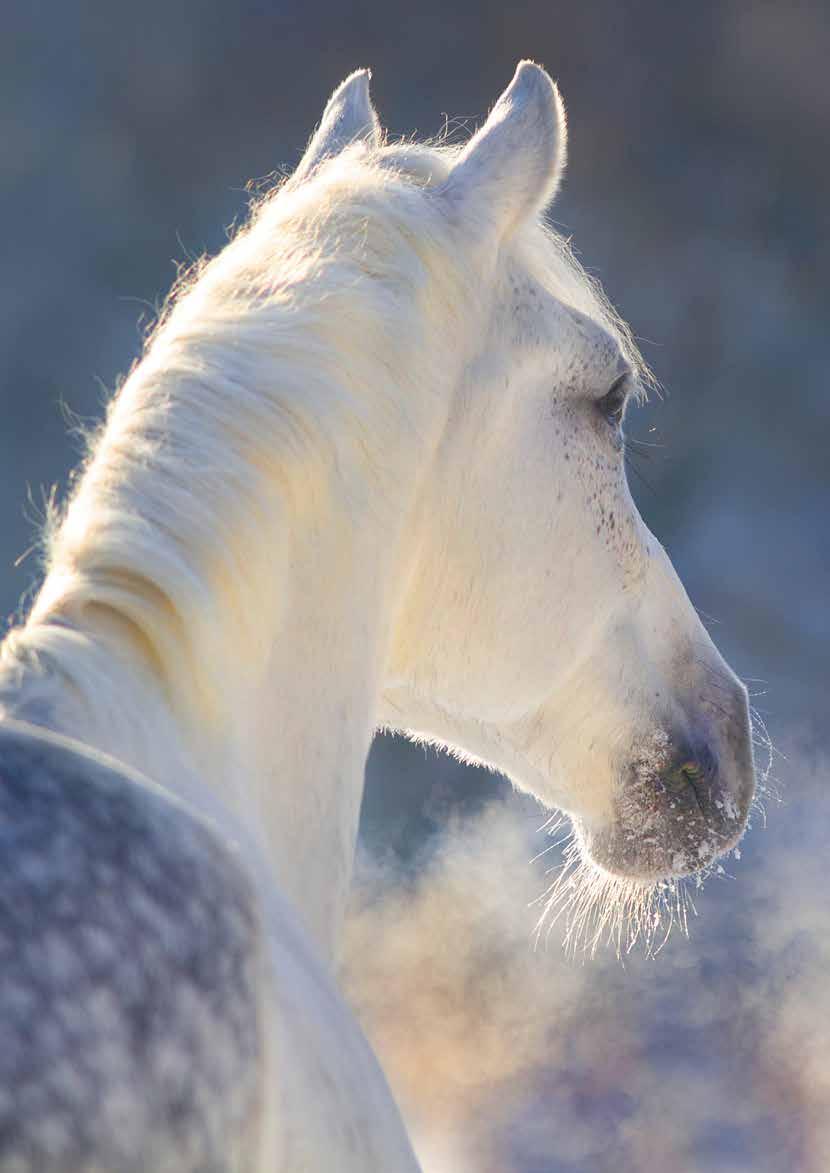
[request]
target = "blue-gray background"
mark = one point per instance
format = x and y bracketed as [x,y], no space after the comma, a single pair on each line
[698,191]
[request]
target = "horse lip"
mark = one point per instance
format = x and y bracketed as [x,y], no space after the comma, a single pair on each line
[668,839]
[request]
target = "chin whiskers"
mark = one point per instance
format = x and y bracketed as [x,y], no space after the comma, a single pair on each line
[766,784]
[595,909]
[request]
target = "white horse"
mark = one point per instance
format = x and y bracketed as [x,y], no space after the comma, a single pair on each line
[369,472]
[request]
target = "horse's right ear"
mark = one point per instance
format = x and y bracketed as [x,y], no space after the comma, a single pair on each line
[511,168]
[349,116]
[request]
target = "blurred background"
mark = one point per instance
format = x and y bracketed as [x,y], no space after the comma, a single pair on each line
[697,190]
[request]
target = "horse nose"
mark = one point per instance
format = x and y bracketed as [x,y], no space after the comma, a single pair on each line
[691,778]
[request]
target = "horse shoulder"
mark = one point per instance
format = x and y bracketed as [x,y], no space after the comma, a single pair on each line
[158,1009]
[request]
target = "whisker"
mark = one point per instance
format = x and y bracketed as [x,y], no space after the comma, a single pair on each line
[595,908]
[643,443]
[630,465]
[552,847]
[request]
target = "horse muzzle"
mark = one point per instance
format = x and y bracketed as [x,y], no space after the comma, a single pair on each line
[681,802]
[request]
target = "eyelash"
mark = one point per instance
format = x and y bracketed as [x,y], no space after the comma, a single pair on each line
[612,405]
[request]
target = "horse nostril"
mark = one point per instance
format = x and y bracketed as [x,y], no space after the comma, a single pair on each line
[680,777]
[690,778]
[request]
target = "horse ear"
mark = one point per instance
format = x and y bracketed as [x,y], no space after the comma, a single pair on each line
[349,116]
[512,166]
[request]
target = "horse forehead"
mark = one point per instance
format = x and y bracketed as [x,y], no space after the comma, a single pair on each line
[539,319]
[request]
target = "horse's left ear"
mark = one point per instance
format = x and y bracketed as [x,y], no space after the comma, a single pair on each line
[511,168]
[349,117]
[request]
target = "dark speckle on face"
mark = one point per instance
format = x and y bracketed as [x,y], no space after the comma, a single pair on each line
[582,361]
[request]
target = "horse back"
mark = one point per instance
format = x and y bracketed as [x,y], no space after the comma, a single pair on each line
[130,961]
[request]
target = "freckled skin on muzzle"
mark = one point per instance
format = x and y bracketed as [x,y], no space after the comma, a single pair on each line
[681,802]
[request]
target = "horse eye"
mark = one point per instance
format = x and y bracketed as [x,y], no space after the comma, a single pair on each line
[612,405]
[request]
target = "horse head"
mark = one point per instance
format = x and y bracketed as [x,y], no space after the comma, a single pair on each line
[542,629]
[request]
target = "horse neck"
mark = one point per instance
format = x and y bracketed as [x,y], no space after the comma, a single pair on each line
[278,763]
[217,607]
